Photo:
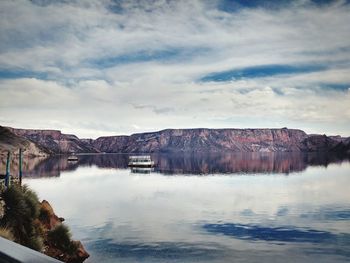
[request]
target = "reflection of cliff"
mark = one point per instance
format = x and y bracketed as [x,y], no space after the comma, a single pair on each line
[51,167]
[241,163]
[39,166]
[182,163]
[105,160]
[28,164]
[232,163]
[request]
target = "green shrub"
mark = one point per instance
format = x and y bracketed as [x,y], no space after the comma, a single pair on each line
[32,201]
[21,209]
[60,237]
[35,242]
[22,221]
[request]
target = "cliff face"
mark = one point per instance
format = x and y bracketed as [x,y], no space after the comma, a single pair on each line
[12,142]
[190,140]
[216,140]
[202,140]
[56,141]
[323,143]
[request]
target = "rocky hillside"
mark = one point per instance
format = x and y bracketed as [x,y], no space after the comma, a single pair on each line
[190,140]
[12,142]
[216,140]
[56,141]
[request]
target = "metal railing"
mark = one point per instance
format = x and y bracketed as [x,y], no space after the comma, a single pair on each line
[11,252]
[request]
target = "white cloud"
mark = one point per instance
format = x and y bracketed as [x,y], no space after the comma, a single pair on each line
[170,45]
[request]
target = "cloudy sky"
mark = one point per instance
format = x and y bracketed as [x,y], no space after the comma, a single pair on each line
[108,67]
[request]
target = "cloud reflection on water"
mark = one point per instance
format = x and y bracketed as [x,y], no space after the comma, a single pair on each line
[156,250]
[157,218]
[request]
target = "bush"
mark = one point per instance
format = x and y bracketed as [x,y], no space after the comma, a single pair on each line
[21,209]
[32,201]
[60,237]
[24,219]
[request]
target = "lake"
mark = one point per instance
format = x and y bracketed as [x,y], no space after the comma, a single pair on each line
[202,207]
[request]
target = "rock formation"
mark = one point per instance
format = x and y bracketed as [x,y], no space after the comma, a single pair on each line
[217,140]
[188,140]
[55,141]
[12,142]
[50,222]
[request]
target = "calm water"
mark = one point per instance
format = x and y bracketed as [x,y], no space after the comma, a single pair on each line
[202,208]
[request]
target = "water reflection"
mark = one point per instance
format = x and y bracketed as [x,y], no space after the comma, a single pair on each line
[239,213]
[141,170]
[277,234]
[226,163]
[328,215]
[163,251]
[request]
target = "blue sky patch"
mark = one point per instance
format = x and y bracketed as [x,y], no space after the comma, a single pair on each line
[146,56]
[260,72]
[142,56]
[15,74]
[235,5]
[336,86]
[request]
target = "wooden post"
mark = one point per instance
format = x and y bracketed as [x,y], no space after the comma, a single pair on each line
[7,177]
[20,166]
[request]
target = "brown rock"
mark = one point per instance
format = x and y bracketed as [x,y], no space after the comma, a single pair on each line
[52,220]
[81,254]
[9,141]
[190,140]
[56,141]
[204,140]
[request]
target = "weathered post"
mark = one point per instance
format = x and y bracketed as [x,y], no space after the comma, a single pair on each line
[7,176]
[20,166]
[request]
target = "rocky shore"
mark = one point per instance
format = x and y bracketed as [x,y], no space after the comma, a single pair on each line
[34,224]
[50,222]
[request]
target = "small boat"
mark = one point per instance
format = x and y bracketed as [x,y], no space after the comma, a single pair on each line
[140,161]
[72,158]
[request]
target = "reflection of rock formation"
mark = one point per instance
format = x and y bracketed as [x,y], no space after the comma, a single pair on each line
[39,166]
[28,164]
[232,163]
[240,163]
[183,163]
[105,160]
[51,167]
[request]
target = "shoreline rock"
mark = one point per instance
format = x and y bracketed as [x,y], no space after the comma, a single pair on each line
[50,221]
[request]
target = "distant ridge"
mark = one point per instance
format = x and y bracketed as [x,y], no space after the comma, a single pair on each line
[55,141]
[9,141]
[189,140]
